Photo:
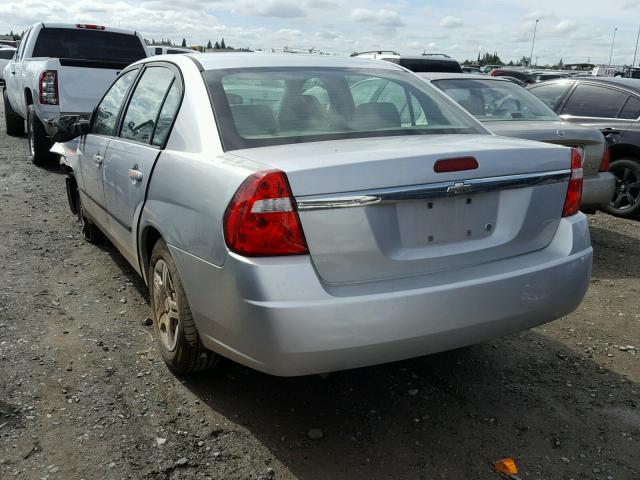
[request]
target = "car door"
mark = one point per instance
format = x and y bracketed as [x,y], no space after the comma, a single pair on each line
[14,79]
[131,156]
[591,104]
[93,147]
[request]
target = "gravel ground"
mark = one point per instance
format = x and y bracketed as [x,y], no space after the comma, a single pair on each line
[85,395]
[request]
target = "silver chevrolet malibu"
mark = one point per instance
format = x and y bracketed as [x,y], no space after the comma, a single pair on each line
[288,219]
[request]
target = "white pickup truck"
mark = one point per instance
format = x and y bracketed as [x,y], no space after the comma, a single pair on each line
[58,74]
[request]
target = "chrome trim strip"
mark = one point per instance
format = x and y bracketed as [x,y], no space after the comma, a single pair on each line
[431,190]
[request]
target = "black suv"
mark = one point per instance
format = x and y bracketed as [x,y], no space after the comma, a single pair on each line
[613,106]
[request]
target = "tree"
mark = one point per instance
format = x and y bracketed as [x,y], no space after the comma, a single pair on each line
[216,46]
[222,44]
[209,45]
[184,43]
[560,64]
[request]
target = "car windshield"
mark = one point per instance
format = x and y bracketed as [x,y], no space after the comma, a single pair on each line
[82,44]
[273,106]
[496,100]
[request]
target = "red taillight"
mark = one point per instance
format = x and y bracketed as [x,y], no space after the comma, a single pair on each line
[89,26]
[261,219]
[455,164]
[48,87]
[574,189]
[493,72]
[606,159]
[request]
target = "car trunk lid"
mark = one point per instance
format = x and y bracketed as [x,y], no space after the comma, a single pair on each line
[375,209]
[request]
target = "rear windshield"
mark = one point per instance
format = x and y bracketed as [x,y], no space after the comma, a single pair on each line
[85,44]
[494,100]
[430,65]
[273,106]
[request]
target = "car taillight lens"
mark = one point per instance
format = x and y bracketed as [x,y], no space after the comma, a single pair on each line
[89,26]
[574,189]
[261,219]
[606,159]
[48,86]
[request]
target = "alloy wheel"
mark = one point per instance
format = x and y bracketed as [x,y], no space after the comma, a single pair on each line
[165,305]
[627,193]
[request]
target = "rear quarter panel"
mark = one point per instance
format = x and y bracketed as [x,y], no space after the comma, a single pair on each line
[193,180]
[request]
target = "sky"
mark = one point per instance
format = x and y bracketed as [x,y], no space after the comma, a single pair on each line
[571,30]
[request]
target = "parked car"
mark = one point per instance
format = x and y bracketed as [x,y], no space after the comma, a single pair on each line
[488,68]
[415,63]
[544,76]
[512,111]
[58,74]
[6,54]
[519,74]
[166,50]
[611,105]
[467,69]
[337,227]
[520,83]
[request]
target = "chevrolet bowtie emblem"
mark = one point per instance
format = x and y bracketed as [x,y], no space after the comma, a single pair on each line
[459,188]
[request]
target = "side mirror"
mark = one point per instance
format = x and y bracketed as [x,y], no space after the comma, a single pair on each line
[66,131]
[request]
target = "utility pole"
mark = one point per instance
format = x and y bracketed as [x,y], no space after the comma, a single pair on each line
[535,27]
[634,53]
[613,41]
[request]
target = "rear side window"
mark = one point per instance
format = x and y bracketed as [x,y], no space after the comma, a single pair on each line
[107,111]
[171,51]
[147,98]
[167,115]
[551,94]
[85,44]
[6,54]
[631,109]
[594,101]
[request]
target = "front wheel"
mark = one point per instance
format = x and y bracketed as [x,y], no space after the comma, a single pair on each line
[626,199]
[38,141]
[173,323]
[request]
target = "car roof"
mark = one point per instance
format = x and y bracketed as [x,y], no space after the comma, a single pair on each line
[216,61]
[628,83]
[458,76]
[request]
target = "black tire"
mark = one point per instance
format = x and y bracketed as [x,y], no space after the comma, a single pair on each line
[13,122]
[38,142]
[187,354]
[90,232]
[626,200]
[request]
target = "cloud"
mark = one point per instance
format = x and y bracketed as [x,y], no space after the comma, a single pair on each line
[382,17]
[565,26]
[450,22]
[275,8]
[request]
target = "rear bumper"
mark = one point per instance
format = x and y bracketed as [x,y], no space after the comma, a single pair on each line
[598,190]
[274,315]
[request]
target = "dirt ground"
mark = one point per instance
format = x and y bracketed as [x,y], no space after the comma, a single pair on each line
[85,395]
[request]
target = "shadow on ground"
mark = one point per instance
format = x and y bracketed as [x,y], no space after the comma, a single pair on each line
[443,416]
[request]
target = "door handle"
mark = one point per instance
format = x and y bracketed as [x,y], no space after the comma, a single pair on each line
[98,159]
[135,175]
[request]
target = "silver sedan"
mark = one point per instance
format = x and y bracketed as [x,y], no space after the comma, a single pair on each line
[286,220]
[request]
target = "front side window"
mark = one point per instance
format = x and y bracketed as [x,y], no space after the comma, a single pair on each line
[494,100]
[274,106]
[143,109]
[594,101]
[106,115]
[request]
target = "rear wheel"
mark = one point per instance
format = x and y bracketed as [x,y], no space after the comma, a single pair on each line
[88,229]
[38,141]
[13,122]
[175,329]
[626,199]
